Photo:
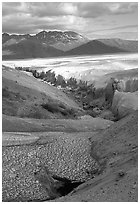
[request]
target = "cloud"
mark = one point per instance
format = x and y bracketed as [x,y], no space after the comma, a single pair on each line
[40,9]
[23,23]
[9,8]
[31,17]
[123,8]
[117,28]
[83,9]
[93,10]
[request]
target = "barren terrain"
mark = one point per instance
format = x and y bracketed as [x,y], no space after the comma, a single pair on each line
[116,149]
[43,155]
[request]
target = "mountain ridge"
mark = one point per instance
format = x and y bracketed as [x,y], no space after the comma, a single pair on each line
[66,39]
[57,43]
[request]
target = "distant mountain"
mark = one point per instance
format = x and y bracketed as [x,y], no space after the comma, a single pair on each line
[58,39]
[58,43]
[128,45]
[21,49]
[118,35]
[61,40]
[5,37]
[103,46]
[125,35]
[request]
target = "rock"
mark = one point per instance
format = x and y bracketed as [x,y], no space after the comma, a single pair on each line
[45,178]
[107,114]
[128,85]
[96,110]
[121,174]
[85,117]
[110,89]
[124,103]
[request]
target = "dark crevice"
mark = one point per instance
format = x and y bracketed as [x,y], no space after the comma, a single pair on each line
[54,185]
[67,186]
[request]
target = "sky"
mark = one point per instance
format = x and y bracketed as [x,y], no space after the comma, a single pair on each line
[91,19]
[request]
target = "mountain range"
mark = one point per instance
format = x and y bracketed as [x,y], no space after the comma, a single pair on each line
[58,43]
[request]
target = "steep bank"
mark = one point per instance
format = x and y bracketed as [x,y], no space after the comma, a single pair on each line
[116,149]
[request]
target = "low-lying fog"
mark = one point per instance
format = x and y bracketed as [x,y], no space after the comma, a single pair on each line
[79,66]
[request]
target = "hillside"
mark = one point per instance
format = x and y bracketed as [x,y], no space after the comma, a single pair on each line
[25,96]
[116,149]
